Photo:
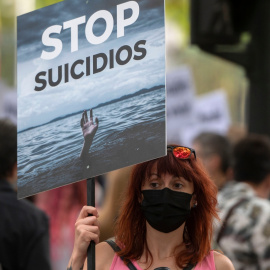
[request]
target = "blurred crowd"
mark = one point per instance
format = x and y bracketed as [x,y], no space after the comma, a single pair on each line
[38,232]
[240,168]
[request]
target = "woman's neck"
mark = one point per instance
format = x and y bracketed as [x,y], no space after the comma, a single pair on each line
[163,245]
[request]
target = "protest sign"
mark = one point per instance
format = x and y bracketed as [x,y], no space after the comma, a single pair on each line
[75,56]
[180,102]
[10,106]
[211,114]
[3,90]
[8,102]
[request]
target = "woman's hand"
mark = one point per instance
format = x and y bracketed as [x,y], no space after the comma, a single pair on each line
[86,230]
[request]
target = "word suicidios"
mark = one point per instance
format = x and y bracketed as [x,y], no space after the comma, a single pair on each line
[93,65]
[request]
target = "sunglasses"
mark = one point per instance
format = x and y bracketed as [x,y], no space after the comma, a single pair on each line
[181,152]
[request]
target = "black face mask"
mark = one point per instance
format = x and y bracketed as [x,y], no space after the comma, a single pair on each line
[165,210]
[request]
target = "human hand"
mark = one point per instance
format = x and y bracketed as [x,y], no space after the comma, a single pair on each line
[86,230]
[89,128]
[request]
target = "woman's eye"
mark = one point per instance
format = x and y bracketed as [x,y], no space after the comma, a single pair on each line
[178,185]
[154,185]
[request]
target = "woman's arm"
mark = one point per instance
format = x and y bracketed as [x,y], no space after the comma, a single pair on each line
[87,230]
[222,262]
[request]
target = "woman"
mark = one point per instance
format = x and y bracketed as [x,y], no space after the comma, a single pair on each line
[165,221]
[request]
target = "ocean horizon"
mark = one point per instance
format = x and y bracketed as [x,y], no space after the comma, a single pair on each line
[142,91]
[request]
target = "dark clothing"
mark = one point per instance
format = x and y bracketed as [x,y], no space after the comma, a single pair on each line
[24,233]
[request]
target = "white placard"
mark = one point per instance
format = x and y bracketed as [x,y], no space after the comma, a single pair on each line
[180,102]
[72,57]
[8,102]
[211,114]
[10,106]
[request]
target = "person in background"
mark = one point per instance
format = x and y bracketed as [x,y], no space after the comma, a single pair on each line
[24,230]
[165,221]
[215,153]
[244,232]
[116,184]
[62,205]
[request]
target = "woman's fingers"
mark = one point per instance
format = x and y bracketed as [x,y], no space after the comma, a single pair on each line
[87,225]
[85,229]
[91,220]
[86,211]
[87,233]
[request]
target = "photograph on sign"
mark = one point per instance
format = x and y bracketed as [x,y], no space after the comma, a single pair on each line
[91,90]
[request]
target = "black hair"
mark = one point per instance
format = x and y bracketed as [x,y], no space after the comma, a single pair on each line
[8,147]
[213,143]
[251,159]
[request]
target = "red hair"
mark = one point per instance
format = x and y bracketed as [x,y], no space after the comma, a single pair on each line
[130,228]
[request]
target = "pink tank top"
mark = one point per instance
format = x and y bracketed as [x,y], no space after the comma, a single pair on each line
[207,264]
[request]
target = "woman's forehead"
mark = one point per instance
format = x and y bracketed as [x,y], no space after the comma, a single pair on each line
[161,168]
[155,170]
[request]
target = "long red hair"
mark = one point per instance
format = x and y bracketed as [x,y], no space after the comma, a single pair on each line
[130,230]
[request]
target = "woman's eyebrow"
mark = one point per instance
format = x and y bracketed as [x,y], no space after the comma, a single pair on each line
[184,179]
[177,177]
[153,174]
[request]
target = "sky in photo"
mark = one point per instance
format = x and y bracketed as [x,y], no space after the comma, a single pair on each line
[39,107]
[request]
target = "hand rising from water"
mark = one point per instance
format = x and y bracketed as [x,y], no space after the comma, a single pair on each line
[89,129]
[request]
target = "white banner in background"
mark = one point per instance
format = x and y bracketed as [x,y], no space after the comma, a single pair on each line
[10,106]
[211,114]
[180,102]
[8,102]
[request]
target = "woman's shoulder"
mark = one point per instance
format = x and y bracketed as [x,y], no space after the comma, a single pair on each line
[104,256]
[222,262]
